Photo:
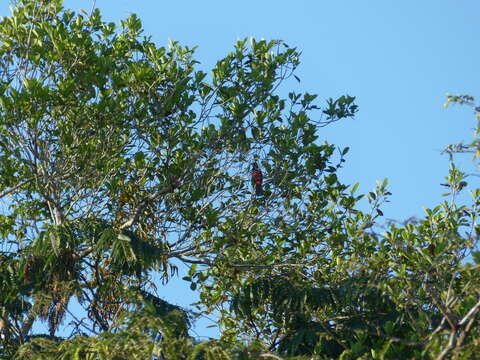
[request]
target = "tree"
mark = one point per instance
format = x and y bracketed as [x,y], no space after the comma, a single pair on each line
[410,291]
[119,159]
[118,156]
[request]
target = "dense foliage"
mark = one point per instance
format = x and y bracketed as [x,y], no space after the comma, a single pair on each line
[119,159]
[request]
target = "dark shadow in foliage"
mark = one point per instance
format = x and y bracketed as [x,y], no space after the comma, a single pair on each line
[321,320]
[179,318]
[135,257]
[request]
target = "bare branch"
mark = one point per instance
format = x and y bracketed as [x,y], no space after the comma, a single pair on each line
[14,188]
[450,347]
[471,314]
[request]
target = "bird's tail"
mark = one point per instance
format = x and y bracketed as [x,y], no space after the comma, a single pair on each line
[258,189]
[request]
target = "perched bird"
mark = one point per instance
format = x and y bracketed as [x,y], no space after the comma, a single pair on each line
[3,328]
[257,179]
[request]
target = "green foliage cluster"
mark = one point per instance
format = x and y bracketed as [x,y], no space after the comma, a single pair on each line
[119,160]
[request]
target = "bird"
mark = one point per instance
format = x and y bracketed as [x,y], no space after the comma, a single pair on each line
[257,179]
[3,328]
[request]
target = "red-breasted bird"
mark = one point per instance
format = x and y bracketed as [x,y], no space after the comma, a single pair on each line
[257,179]
[3,328]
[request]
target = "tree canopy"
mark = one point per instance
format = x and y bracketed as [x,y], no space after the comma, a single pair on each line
[120,159]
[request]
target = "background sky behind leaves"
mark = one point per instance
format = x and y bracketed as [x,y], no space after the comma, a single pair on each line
[399,58]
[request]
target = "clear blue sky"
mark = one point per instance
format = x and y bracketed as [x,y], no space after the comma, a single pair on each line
[399,58]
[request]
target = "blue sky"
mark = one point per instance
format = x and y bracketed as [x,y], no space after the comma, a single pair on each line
[399,58]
